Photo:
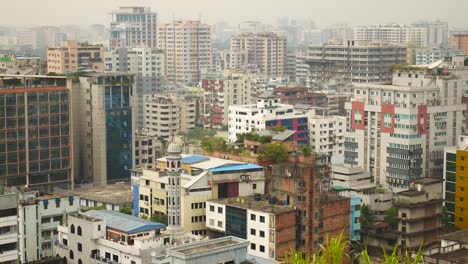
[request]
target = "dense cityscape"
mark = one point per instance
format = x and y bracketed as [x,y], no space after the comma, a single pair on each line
[178,141]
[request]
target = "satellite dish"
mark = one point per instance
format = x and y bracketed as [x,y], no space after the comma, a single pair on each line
[434,64]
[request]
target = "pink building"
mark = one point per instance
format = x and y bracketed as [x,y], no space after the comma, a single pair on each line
[72,56]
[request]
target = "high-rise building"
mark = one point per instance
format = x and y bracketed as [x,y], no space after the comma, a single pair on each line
[398,132]
[355,61]
[73,56]
[148,148]
[266,50]
[232,88]
[9,222]
[459,40]
[148,66]
[166,115]
[134,26]
[35,142]
[455,196]
[103,127]
[187,45]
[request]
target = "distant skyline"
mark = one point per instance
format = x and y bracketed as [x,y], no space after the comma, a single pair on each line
[323,13]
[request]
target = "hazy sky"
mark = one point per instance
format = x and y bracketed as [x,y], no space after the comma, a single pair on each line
[323,12]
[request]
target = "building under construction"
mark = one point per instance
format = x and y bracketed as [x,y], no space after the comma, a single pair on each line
[319,213]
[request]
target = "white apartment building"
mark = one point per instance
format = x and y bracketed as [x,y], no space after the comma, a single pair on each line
[266,50]
[187,46]
[355,61]
[148,66]
[398,132]
[266,226]
[327,136]
[28,225]
[9,228]
[267,113]
[109,237]
[234,60]
[169,114]
[428,56]
[421,34]
[133,26]
[38,219]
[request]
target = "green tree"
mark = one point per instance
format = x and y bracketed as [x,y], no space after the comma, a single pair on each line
[305,150]
[159,218]
[275,152]
[391,217]
[210,144]
[367,217]
[126,210]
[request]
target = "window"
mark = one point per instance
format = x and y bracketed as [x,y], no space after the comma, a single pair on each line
[72,229]
[220,210]
[253,246]
[212,208]
[79,261]
[253,217]
[403,215]
[80,247]
[254,186]
[220,224]
[71,254]
[252,231]
[262,248]
[211,222]
[262,233]
[99,228]
[79,230]
[46,204]
[262,219]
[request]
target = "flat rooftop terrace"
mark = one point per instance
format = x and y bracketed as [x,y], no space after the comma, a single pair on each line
[118,193]
[205,247]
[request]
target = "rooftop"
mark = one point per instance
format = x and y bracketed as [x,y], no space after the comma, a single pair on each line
[123,222]
[459,236]
[428,181]
[206,245]
[457,256]
[249,202]
[411,193]
[247,166]
[118,193]
[192,159]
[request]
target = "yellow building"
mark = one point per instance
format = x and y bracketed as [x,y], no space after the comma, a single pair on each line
[456,183]
[203,178]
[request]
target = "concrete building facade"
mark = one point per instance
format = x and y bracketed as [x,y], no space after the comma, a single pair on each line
[103,127]
[269,228]
[72,56]
[187,47]
[419,213]
[169,114]
[355,61]
[148,66]
[266,50]
[232,88]
[429,56]
[134,26]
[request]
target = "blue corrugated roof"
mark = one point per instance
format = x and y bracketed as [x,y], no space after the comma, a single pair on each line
[246,166]
[127,223]
[192,159]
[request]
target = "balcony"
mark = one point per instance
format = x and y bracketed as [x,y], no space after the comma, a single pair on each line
[104,260]
[9,237]
[9,255]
